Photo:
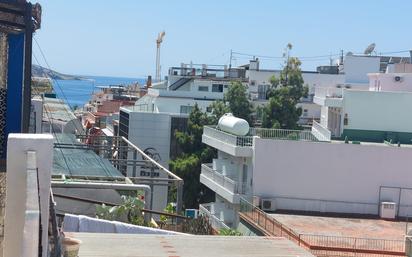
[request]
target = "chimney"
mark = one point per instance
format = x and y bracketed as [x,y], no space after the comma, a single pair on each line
[149,81]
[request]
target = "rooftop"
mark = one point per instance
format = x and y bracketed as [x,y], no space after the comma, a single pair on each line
[118,245]
[345,227]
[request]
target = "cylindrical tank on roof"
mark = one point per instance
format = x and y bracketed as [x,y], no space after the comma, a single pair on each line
[233,125]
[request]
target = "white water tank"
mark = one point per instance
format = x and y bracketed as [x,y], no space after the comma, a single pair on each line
[233,125]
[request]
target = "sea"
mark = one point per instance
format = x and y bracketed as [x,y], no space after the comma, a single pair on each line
[78,92]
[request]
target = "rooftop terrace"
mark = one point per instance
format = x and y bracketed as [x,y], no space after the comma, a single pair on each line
[117,245]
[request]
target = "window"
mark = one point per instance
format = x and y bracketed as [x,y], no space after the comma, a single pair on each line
[217,88]
[305,113]
[204,88]
[185,108]
[148,174]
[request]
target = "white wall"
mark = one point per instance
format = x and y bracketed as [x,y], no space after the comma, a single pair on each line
[152,130]
[356,68]
[385,111]
[387,82]
[328,171]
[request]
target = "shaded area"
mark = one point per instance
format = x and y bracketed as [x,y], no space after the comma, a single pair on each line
[71,160]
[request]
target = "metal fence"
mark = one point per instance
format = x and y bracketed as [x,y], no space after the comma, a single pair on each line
[226,137]
[284,134]
[320,245]
[246,141]
[214,221]
[220,179]
[320,132]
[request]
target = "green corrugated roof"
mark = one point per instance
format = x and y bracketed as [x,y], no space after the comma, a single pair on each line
[80,162]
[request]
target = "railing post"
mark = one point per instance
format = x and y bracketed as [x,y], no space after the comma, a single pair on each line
[17,148]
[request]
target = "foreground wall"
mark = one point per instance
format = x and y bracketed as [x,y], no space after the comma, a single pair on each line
[331,177]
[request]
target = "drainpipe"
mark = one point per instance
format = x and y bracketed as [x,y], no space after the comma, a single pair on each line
[94,185]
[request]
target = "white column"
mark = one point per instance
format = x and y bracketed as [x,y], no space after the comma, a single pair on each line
[17,147]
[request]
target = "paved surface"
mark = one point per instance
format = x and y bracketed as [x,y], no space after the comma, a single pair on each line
[370,228]
[122,245]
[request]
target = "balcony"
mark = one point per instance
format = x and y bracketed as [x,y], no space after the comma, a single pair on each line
[224,186]
[210,210]
[239,146]
[331,96]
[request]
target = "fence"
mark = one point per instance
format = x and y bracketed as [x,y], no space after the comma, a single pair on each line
[214,221]
[220,179]
[320,132]
[227,138]
[284,134]
[320,245]
[246,141]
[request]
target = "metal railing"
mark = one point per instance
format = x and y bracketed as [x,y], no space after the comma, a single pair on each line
[247,141]
[320,132]
[243,141]
[328,92]
[283,134]
[129,160]
[320,245]
[214,221]
[220,179]
[32,231]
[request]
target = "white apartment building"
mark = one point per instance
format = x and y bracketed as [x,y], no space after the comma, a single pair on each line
[379,112]
[303,171]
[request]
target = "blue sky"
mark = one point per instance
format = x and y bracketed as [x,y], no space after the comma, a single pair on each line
[117,38]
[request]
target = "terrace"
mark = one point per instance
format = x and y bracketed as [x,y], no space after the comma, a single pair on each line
[241,146]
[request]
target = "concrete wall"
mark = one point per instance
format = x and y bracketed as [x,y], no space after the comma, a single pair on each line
[343,174]
[356,68]
[17,148]
[152,130]
[387,82]
[382,111]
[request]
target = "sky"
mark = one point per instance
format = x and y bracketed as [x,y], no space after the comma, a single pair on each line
[117,38]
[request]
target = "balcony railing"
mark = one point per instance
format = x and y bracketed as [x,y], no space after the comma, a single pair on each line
[320,132]
[284,134]
[247,141]
[328,92]
[227,138]
[215,222]
[221,179]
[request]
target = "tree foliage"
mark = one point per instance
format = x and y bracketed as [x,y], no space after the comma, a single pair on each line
[285,93]
[187,165]
[237,101]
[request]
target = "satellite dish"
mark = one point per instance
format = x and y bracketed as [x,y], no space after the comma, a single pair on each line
[370,49]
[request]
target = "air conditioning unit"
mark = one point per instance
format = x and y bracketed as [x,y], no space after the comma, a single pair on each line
[268,205]
[388,210]
[192,213]
[397,78]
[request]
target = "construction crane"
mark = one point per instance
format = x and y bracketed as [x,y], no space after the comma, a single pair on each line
[158,43]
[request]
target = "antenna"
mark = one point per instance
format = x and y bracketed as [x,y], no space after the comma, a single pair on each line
[369,49]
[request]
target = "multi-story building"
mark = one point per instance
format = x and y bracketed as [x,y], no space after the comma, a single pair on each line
[303,171]
[153,120]
[375,113]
